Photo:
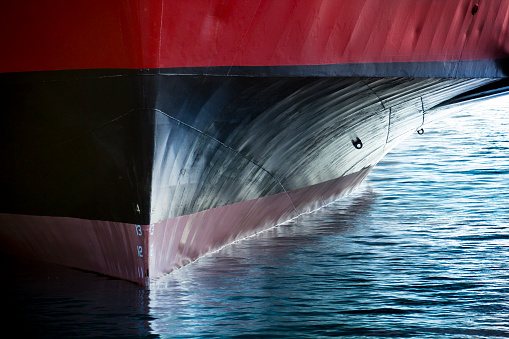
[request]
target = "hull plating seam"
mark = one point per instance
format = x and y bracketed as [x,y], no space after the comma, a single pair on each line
[230,148]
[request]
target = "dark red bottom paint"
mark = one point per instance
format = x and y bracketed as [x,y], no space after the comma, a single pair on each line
[143,253]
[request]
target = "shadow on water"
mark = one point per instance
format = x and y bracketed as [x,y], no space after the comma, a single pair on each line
[51,301]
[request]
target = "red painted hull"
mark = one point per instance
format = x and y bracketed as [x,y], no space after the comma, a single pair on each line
[138,34]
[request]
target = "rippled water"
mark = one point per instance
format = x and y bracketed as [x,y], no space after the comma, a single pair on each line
[421,250]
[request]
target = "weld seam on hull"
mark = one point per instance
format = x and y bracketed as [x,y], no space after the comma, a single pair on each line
[388,127]
[94,129]
[371,89]
[423,111]
[230,148]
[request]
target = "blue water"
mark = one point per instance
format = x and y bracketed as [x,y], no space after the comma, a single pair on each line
[421,250]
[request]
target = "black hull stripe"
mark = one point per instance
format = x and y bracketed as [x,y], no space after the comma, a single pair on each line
[486,68]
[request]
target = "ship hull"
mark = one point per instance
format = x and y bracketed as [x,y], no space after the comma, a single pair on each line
[138,136]
[152,171]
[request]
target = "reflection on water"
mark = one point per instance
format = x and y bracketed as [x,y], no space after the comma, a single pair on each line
[421,250]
